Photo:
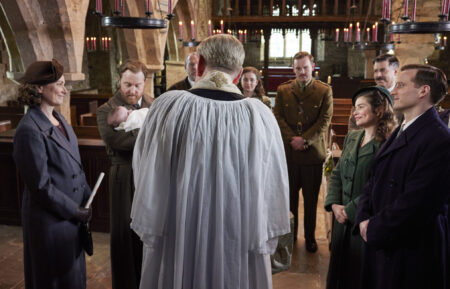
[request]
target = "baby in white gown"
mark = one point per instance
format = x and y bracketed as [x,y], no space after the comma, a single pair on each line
[126,119]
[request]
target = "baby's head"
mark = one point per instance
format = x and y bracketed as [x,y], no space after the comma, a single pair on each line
[118,115]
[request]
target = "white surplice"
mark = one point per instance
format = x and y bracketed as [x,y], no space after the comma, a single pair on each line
[211,191]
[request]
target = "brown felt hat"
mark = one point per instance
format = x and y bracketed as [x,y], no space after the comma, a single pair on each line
[43,72]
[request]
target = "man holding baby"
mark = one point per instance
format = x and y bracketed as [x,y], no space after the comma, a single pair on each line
[126,247]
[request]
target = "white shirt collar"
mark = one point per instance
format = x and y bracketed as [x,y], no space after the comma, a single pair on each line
[140,101]
[392,87]
[406,124]
[191,82]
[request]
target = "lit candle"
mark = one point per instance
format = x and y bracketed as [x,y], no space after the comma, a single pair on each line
[103,43]
[245,36]
[209,28]
[444,4]
[116,6]
[329,79]
[383,10]
[180,30]
[350,32]
[95,43]
[123,7]
[221,26]
[368,34]
[445,41]
[87,43]
[316,74]
[405,9]
[109,43]
[357,25]
[192,29]
[336,39]
[345,34]
[413,11]
[229,31]
[447,8]
[376,32]
[358,34]
[240,35]
[373,33]
[169,10]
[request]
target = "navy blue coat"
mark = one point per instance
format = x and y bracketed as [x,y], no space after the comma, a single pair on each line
[55,186]
[406,200]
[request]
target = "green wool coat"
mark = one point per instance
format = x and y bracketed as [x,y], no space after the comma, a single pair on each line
[345,186]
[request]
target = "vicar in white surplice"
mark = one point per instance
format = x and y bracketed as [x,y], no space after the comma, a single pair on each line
[211,181]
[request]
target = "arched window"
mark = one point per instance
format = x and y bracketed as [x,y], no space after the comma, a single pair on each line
[292,42]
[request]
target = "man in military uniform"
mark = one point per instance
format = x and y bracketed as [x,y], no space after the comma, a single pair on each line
[126,247]
[190,64]
[303,109]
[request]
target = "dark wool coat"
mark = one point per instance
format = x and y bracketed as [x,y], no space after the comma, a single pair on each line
[181,85]
[126,247]
[55,186]
[345,186]
[406,200]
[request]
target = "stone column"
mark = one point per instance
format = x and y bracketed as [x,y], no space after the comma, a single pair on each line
[369,56]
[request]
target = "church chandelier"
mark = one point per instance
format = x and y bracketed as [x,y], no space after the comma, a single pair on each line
[119,20]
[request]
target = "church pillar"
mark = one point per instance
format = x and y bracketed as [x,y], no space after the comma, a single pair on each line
[369,56]
[267,33]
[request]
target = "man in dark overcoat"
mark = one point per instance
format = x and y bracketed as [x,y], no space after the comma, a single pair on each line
[190,65]
[403,212]
[126,247]
[303,109]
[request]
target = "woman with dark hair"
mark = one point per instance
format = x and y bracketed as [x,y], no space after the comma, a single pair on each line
[251,85]
[374,115]
[47,157]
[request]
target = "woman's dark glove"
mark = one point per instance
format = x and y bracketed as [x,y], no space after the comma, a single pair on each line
[83,215]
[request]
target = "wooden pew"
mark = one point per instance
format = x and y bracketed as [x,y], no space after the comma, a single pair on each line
[5,125]
[11,113]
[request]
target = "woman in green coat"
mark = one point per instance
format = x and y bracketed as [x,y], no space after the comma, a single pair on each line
[373,113]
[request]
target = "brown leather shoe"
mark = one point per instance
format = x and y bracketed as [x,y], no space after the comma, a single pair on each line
[311,246]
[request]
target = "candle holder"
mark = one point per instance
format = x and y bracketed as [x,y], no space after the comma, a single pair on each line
[129,22]
[191,43]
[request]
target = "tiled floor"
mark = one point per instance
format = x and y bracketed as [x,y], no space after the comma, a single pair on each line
[308,271]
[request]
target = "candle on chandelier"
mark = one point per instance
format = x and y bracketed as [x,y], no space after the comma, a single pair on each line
[123,7]
[87,43]
[388,9]
[445,41]
[444,4]
[405,9]
[345,34]
[336,39]
[368,34]
[180,30]
[240,35]
[169,9]
[116,5]
[376,32]
[413,11]
[373,33]
[192,29]
[245,36]
[358,34]
[109,43]
[149,5]
[391,37]
[95,43]
[221,26]
[350,30]
[383,10]
[209,28]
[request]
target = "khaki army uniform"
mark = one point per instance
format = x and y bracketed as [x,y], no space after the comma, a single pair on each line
[306,112]
[126,247]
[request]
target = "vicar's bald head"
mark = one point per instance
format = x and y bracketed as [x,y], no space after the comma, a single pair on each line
[222,52]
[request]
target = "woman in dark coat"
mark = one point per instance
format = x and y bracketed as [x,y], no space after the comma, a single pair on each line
[373,113]
[47,157]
